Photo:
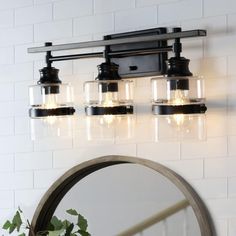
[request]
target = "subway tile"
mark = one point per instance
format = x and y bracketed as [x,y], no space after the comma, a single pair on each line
[143,3]
[14,3]
[22,55]
[216,147]
[220,167]
[16,72]
[65,68]
[172,12]
[51,143]
[28,198]
[21,108]
[103,6]
[22,89]
[159,151]
[193,150]
[78,155]
[231,24]
[135,18]
[232,226]
[22,125]
[6,199]
[232,187]
[222,208]
[218,7]
[33,161]
[43,1]
[189,169]
[52,30]
[211,188]
[216,124]
[94,136]
[8,161]
[231,65]
[193,49]
[221,226]
[18,35]
[7,109]
[45,178]
[213,45]
[216,87]
[7,126]
[215,25]
[93,24]
[6,55]
[6,19]
[210,67]
[19,143]
[33,14]
[86,66]
[231,145]
[17,180]
[72,8]
[213,147]
[6,92]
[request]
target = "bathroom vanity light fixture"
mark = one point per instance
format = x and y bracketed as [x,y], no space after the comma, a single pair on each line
[108,94]
[178,92]
[135,54]
[50,98]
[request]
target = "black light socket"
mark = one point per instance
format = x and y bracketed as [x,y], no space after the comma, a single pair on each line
[178,66]
[49,75]
[181,84]
[108,71]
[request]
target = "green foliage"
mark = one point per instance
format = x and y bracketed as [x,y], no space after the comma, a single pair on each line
[56,227]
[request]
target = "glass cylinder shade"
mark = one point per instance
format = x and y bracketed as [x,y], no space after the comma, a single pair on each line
[178,95]
[47,100]
[108,97]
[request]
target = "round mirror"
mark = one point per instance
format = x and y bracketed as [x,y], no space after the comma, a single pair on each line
[126,196]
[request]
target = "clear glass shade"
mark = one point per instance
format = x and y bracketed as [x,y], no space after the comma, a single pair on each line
[179,127]
[177,90]
[108,97]
[108,93]
[50,96]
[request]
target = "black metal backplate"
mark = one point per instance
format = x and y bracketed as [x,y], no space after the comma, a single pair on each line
[140,65]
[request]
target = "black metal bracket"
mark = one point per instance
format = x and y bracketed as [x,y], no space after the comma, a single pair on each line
[138,53]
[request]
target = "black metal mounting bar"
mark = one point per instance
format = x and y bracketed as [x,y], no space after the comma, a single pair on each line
[116,54]
[120,41]
[138,53]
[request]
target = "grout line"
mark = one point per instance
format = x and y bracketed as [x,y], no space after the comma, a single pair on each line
[203,12]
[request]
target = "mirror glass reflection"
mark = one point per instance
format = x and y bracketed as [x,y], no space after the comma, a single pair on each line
[125,197]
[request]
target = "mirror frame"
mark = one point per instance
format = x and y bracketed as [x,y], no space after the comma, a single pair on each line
[60,187]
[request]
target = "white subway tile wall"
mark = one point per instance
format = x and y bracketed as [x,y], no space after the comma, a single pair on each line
[28,168]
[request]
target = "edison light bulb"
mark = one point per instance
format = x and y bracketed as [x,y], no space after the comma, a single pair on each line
[178,97]
[50,101]
[109,99]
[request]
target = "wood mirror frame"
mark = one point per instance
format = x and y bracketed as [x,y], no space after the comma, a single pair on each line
[59,189]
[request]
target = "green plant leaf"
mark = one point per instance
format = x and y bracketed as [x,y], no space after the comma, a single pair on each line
[6,225]
[57,224]
[82,223]
[17,221]
[69,229]
[12,228]
[56,232]
[72,212]
[83,233]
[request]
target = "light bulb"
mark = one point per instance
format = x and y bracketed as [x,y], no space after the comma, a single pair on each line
[109,99]
[50,101]
[178,97]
